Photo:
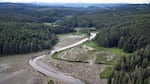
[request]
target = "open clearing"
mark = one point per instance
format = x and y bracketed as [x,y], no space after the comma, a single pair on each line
[80,62]
[16,70]
[87,72]
[87,61]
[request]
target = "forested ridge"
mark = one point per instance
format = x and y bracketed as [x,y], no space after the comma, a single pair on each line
[106,18]
[22,28]
[132,34]
[14,12]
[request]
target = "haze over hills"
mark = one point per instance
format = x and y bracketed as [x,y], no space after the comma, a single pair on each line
[76,5]
[79,4]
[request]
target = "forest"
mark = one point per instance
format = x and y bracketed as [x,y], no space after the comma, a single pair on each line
[132,70]
[23,30]
[25,38]
[132,35]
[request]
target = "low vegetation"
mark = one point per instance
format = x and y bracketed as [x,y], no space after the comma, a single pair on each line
[106,73]
[80,59]
[50,82]
[107,53]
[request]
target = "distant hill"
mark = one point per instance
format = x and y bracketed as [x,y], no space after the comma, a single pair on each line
[75,5]
[84,5]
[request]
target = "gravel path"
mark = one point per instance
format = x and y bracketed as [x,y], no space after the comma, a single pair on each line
[49,71]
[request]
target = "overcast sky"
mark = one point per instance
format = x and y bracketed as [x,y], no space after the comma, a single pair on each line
[81,1]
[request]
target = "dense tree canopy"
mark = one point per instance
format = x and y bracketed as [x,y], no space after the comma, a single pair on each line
[106,18]
[22,28]
[24,37]
[129,38]
[132,70]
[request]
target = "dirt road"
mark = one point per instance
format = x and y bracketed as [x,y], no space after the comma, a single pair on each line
[49,71]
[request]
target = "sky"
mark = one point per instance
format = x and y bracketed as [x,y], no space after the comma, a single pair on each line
[79,1]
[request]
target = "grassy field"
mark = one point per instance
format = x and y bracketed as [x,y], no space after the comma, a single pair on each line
[101,58]
[114,50]
[106,73]
[79,60]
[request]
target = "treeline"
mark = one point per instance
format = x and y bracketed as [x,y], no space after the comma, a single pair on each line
[106,18]
[132,70]
[129,38]
[60,29]
[25,37]
[17,12]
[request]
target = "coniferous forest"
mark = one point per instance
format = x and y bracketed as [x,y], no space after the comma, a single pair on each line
[23,30]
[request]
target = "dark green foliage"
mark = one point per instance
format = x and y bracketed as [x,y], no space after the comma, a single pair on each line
[106,18]
[130,34]
[130,38]
[50,82]
[60,29]
[132,70]
[17,12]
[24,37]
[22,29]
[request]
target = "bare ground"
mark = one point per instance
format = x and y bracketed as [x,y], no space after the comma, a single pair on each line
[87,72]
[16,70]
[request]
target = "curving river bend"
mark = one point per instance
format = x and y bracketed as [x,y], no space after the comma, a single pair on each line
[49,71]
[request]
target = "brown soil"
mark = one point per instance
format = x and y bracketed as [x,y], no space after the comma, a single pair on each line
[87,72]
